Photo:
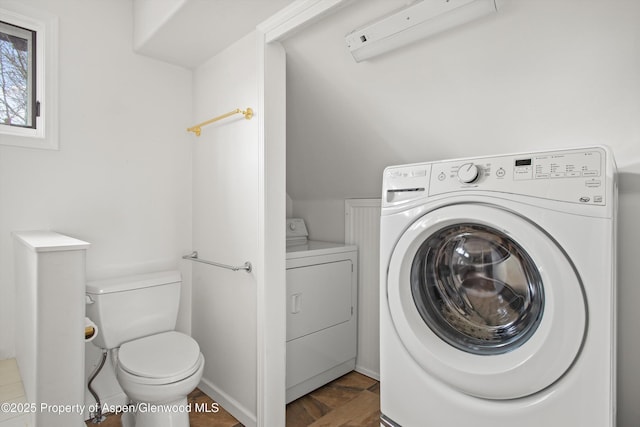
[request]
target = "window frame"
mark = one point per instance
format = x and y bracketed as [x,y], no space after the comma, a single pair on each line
[44,134]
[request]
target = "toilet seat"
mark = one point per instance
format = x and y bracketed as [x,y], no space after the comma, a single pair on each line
[160,359]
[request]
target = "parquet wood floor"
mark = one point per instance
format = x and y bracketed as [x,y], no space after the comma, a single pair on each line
[352,400]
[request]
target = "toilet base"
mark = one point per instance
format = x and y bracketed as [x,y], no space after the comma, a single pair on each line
[173,414]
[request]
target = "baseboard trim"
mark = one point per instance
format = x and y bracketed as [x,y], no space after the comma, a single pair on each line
[230,405]
[368,372]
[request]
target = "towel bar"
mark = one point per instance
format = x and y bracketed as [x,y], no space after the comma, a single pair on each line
[193,256]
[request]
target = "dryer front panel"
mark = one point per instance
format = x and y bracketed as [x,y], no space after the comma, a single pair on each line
[318,297]
[486,301]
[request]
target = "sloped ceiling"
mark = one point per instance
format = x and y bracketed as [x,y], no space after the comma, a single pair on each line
[346,121]
[188,32]
[536,75]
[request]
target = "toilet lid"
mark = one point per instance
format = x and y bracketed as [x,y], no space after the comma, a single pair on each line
[168,354]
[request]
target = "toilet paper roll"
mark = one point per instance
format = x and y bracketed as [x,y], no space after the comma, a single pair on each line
[90,330]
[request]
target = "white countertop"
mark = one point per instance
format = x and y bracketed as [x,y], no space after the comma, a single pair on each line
[47,241]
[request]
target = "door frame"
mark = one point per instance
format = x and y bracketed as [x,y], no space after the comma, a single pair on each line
[271,265]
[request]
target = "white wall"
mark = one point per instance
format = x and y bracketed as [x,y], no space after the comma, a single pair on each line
[239,204]
[225,227]
[121,179]
[539,74]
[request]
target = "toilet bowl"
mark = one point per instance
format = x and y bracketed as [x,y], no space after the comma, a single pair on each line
[157,373]
[155,366]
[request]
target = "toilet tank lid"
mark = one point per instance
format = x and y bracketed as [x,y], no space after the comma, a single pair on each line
[128,283]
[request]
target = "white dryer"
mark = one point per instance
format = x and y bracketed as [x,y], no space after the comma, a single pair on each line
[498,291]
[321,310]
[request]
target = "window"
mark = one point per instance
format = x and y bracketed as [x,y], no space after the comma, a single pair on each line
[28,94]
[18,105]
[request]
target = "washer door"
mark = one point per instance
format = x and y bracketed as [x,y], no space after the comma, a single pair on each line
[485,301]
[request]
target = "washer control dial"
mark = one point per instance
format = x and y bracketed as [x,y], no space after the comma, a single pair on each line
[468,173]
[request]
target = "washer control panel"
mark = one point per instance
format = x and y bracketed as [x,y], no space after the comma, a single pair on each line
[575,176]
[572,175]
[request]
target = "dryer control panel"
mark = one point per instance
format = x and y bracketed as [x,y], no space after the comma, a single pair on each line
[576,176]
[296,231]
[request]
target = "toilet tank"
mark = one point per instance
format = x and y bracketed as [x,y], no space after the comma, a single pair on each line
[127,308]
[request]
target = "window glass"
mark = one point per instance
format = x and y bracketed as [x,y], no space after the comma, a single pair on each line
[17,76]
[477,289]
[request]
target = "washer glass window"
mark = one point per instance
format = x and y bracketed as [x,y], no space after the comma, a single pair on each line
[477,289]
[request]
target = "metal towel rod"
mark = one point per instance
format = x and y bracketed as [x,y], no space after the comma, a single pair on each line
[197,129]
[193,256]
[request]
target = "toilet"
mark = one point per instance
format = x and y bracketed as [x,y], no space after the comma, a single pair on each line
[156,366]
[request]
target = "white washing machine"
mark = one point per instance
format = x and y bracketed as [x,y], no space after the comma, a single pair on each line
[498,291]
[321,310]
